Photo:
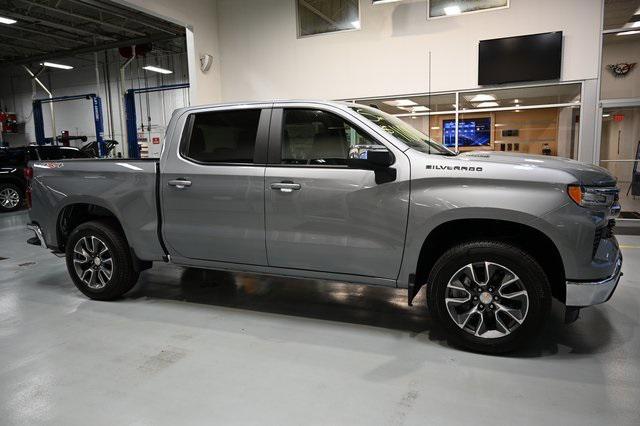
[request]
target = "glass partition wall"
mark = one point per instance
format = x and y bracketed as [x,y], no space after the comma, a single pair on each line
[541,119]
[619,148]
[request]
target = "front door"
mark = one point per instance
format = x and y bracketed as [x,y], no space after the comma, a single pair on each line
[322,215]
[213,188]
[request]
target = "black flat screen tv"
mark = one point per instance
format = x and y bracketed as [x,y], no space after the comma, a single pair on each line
[472,132]
[517,59]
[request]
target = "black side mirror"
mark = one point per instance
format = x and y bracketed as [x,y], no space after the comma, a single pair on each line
[374,158]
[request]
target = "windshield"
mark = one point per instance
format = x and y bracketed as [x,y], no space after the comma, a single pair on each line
[402,131]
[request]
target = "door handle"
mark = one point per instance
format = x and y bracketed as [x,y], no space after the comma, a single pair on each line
[286,186]
[179,183]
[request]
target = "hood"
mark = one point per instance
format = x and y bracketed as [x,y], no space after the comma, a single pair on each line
[586,174]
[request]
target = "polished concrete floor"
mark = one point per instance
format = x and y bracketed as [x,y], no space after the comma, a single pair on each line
[193,347]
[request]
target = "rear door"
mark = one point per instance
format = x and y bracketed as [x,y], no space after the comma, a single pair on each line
[322,215]
[213,186]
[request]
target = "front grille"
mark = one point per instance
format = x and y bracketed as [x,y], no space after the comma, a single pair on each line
[602,233]
[596,241]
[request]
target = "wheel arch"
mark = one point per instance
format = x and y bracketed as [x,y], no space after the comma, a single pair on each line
[529,239]
[71,215]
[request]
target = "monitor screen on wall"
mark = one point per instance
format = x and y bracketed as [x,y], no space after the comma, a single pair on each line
[473,132]
[525,58]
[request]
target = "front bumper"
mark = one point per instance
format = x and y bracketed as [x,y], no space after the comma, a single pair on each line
[587,293]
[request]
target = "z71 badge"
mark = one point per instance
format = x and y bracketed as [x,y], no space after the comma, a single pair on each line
[454,168]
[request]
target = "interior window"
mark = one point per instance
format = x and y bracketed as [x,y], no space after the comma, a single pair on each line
[320,138]
[224,136]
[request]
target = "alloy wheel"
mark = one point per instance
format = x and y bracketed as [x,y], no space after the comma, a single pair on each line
[487,300]
[93,262]
[9,198]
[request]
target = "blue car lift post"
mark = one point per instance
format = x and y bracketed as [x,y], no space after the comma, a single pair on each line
[130,112]
[38,120]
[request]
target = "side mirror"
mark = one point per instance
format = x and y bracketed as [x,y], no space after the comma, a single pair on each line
[370,157]
[376,158]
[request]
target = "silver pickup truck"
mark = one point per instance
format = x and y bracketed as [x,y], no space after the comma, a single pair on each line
[344,192]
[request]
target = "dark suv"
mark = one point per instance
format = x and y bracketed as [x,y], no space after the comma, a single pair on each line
[13,162]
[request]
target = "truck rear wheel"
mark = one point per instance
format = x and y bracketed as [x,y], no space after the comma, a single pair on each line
[489,296]
[99,261]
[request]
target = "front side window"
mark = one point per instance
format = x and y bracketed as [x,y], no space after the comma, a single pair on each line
[223,136]
[315,137]
[401,130]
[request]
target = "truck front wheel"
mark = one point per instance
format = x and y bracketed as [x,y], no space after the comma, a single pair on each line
[99,261]
[488,296]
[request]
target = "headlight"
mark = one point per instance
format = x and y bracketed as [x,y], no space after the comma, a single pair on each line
[587,196]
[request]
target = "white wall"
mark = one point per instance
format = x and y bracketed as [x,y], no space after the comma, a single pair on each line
[262,58]
[621,50]
[201,17]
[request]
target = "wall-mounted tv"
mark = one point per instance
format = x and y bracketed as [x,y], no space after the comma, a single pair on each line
[524,58]
[472,132]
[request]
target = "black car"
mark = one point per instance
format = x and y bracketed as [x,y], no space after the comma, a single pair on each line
[13,162]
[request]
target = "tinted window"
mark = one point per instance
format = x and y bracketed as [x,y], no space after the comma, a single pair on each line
[13,157]
[321,138]
[223,136]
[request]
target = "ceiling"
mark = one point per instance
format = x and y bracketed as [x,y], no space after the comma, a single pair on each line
[49,29]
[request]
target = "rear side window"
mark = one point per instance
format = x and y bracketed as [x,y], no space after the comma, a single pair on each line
[223,136]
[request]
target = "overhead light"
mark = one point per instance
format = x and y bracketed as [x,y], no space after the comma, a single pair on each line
[498,125]
[374,2]
[487,105]
[401,103]
[356,24]
[435,128]
[517,110]
[516,101]
[54,65]
[415,109]
[482,97]
[606,115]
[452,10]
[7,21]
[157,69]
[635,24]
[624,33]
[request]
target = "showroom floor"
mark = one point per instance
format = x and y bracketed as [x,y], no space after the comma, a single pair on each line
[193,347]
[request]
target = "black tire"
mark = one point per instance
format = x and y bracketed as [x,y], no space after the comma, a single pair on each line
[123,275]
[6,187]
[532,278]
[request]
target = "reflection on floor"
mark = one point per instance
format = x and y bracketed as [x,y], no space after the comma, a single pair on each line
[194,347]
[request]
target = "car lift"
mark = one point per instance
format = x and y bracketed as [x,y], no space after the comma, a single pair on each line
[38,120]
[130,112]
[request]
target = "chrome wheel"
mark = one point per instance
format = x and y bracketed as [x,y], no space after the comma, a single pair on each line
[487,300]
[93,262]
[9,198]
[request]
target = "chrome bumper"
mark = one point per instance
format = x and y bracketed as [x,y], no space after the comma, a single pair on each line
[36,229]
[593,292]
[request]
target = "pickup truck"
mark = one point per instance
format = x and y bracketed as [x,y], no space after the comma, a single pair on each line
[342,192]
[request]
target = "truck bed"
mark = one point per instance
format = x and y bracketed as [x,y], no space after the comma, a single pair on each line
[125,188]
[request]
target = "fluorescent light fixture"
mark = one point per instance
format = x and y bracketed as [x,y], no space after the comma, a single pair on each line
[635,24]
[54,65]
[401,103]
[435,128]
[487,105]
[498,125]
[606,115]
[482,98]
[452,10]
[624,33]
[374,2]
[157,69]
[415,109]
[7,21]
[516,101]
[356,24]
